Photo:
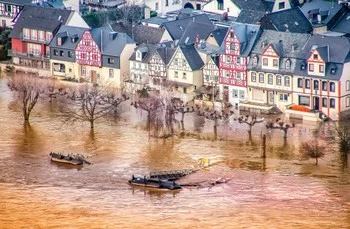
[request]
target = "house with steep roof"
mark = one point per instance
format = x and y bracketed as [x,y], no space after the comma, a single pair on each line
[9,10]
[217,36]
[238,44]
[185,72]
[290,20]
[271,70]
[321,79]
[211,71]
[177,30]
[233,7]
[279,5]
[322,14]
[32,33]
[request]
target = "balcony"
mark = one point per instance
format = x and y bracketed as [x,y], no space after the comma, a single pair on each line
[305,114]
[28,55]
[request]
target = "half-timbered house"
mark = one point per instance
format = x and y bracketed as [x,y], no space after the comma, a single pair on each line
[184,72]
[9,10]
[211,74]
[237,46]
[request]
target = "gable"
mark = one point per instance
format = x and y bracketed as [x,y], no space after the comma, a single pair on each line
[270,51]
[315,57]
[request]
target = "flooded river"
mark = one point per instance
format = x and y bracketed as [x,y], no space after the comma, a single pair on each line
[280,192]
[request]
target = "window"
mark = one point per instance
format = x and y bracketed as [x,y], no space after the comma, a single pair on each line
[228,59]
[185,90]
[332,87]
[8,8]
[315,56]
[235,93]
[94,56]
[110,60]
[48,36]
[238,60]
[253,76]
[275,63]
[55,52]
[307,83]
[311,67]
[232,46]
[316,85]
[261,78]
[41,36]
[176,75]
[70,54]
[238,75]
[265,61]
[287,64]
[156,6]
[241,94]
[61,53]
[166,2]
[184,76]
[332,103]
[324,102]
[270,79]
[347,101]
[34,49]
[232,35]
[26,33]
[286,81]
[348,85]
[281,5]
[324,85]
[220,4]
[278,80]
[83,70]
[255,60]
[34,35]
[300,82]
[111,73]
[304,100]
[283,97]
[59,41]
[321,68]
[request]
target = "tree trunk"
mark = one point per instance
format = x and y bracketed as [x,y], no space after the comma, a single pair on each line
[316,160]
[92,124]
[285,133]
[216,129]
[182,121]
[149,124]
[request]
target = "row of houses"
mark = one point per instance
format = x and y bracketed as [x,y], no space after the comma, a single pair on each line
[243,64]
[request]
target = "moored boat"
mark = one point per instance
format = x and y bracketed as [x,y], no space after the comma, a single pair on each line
[154,183]
[68,159]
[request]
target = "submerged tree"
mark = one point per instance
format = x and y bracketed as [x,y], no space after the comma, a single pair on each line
[250,121]
[92,102]
[343,138]
[312,150]
[281,125]
[183,109]
[29,90]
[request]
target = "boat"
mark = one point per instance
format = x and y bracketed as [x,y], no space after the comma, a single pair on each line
[154,183]
[68,159]
[171,175]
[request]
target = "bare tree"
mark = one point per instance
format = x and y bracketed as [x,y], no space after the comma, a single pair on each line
[215,116]
[312,150]
[29,90]
[343,138]
[183,109]
[250,121]
[92,102]
[281,125]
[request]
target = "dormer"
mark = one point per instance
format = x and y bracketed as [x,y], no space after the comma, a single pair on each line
[281,5]
[74,38]
[288,64]
[141,53]
[138,55]
[317,60]
[255,60]
[270,58]
[333,69]
[303,65]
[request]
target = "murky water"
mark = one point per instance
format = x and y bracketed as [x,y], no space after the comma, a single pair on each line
[281,192]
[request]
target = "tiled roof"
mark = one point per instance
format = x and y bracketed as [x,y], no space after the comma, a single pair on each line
[342,25]
[17,2]
[177,28]
[219,34]
[292,20]
[193,30]
[165,53]
[250,16]
[247,36]
[257,5]
[148,51]
[67,32]
[192,57]
[38,18]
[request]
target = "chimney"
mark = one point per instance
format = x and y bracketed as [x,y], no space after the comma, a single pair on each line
[197,40]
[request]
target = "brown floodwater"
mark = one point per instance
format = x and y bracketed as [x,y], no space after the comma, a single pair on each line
[280,192]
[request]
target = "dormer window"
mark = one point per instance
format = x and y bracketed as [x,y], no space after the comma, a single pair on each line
[288,64]
[232,35]
[255,60]
[281,5]
[315,56]
[333,70]
[302,66]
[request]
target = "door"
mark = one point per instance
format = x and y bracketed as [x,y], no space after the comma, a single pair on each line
[316,103]
[270,98]
[93,77]
[226,94]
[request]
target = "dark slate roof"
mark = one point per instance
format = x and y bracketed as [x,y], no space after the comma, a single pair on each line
[141,34]
[219,35]
[250,16]
[17,2]
[111,43]
[148,51]
[329,75]
[269,5]
[317,6]
[193,30]
[177,28]
[257,5]
[67,32]
[34,17]
[292,20]
[193,59]
[343,24]
[247,36]
[165,53]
